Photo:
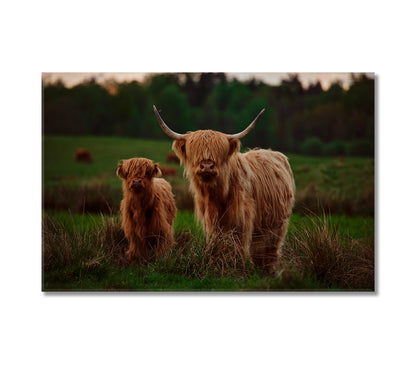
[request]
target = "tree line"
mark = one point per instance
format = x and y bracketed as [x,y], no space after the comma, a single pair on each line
[307,120]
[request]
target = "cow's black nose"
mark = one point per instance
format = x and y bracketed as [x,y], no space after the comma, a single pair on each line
[137,181]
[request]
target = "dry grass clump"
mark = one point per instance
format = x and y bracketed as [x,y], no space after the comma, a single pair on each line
[316,250]
[223,256]
[88,197]
[102,246]
[84,248]
[194,256]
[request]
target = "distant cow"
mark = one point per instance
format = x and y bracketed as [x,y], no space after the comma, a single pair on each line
[171,157]
[147,210]
[83,155]
[249,195]
[168,171]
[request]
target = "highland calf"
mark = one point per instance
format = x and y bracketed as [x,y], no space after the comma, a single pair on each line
[147,210]
[248,195]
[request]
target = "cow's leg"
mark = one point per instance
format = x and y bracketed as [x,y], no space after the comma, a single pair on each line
[137,250]
[247,236]
[266,245]
[133,251]
[242,230]
[257,248]
[273,247]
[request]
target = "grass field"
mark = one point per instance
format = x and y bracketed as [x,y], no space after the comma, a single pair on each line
[323,184]
[329,246]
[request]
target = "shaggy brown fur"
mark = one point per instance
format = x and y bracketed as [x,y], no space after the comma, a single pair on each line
[248,194]
[83,155]
[147,210]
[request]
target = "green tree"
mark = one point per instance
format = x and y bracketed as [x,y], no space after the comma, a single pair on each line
[175,108]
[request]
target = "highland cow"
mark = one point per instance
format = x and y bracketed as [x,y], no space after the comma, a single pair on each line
[83,155]
[147,210]
[248,195]
[168,171]
[172,158]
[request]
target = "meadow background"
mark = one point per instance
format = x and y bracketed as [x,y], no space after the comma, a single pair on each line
[328,136]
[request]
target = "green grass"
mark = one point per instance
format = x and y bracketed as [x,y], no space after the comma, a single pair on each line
[95,187]
[86,252]
[59,162]
[83,245]
[329,173]
[354,227]
[323,183]
[59,156]
[81,222]
[145,280]
[334,186]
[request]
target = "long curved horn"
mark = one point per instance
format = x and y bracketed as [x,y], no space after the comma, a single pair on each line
[248,129]
[165,128]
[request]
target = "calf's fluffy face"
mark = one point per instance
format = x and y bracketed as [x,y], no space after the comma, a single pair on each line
[137,173]
[204,153]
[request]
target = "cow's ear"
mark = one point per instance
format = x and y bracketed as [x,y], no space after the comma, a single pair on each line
[156,171]
[121,172]
[179,148]
[234,146]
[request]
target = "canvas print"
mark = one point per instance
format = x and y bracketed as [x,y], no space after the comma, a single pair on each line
[208,182]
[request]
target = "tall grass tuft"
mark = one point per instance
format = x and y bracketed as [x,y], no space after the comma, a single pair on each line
[76,250]
[316,250]
[194,256]
[92,255]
